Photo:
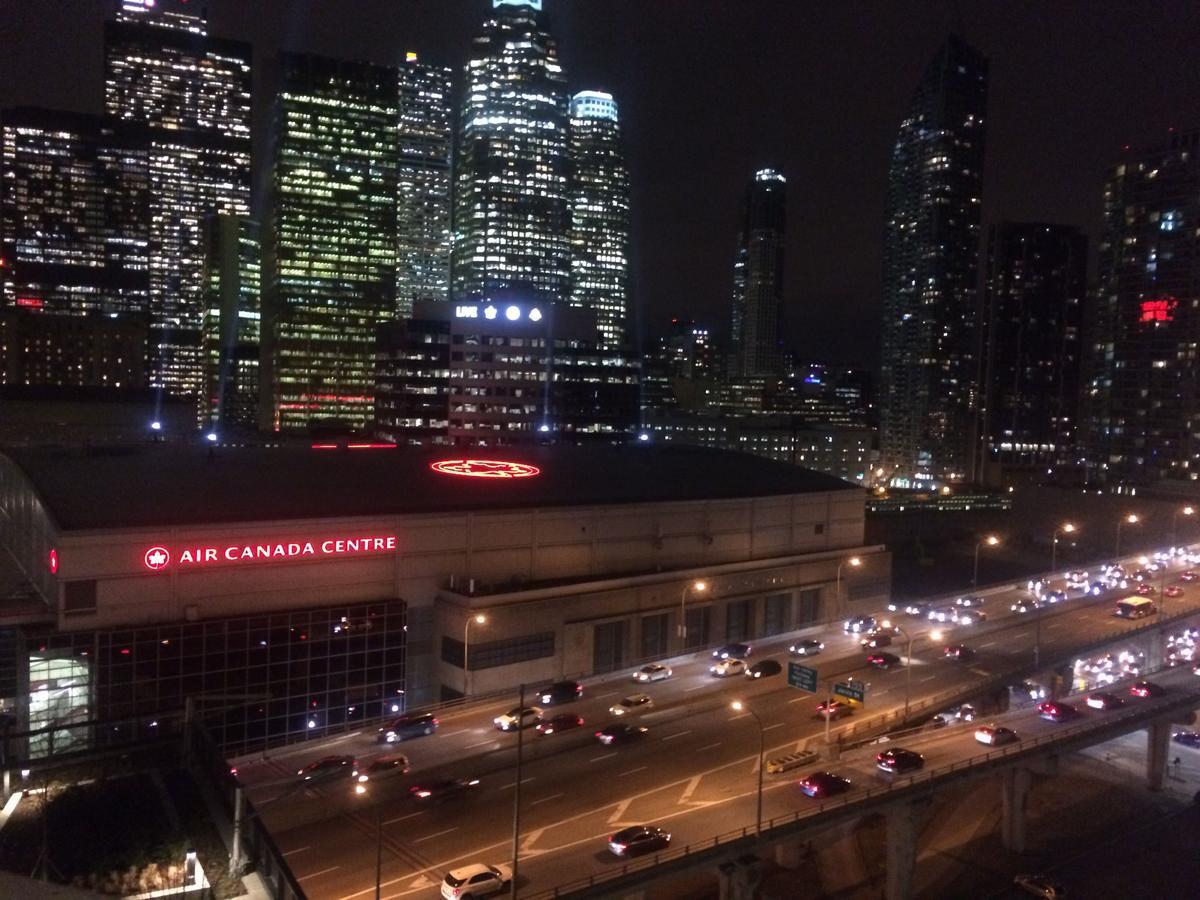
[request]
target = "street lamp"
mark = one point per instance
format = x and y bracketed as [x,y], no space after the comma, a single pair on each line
[853,562]
[479,619]
[991,540]
[360,789]
[1183,511]
[1065,528]
[742,707]
[699,586]
[1131,519]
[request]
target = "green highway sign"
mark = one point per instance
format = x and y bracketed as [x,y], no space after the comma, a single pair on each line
[802,677]
[853,691]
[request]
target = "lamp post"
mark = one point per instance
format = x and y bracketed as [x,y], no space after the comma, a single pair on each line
[1182,511]
[742,707]
[478,619]
[699,586]
[991,540]
[1131,519]
[1065,528]
[854,562]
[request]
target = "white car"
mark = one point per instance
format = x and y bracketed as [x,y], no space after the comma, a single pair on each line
[631,704]
[970,617]
[476,880]
[942,614]
[652,672]
[727,667]
[518,718]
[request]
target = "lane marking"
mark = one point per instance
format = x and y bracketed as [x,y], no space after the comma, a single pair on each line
[631,771]
[430,837]
[480,744]
[513,784]
[598,758]
[447,734]
[708,747]
[676,734]
[798,700]
[781,724]
[698,687]
[740,716]
[619,811]
[297,850]
[690,789]
[608,694]
[402,818]
[547,799]
[989,644]
[315,874]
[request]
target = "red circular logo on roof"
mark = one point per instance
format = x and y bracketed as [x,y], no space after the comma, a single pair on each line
[484,468]
[157,558]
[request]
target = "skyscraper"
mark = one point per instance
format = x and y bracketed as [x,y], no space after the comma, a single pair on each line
[331,257]
[599,214]
[929,374]
[1145,386]
[511,211]
[1034,297]
[193,92]
[232,323]
[423,185]
[758,278]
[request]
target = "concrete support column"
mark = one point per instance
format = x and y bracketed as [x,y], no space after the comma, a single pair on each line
[1158,742]
[903,828]
[739,880]
[1013,789]
[1060,682]
[1154,648]
[791,855]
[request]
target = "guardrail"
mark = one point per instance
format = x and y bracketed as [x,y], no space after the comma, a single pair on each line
[979,765]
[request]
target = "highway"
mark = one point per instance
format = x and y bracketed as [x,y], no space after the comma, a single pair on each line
[694,772]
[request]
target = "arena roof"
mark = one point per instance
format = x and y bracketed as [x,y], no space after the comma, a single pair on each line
[156,486]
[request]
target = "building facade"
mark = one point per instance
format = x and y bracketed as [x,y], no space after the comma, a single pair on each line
[232,324]
[1034,298]
[755,328]
[929,377]
[93,350]
[1144,392]
[423,184]
[599,215]
[331,247]
[512,213]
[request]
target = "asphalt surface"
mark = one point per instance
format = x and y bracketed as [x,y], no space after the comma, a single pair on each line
[694,772]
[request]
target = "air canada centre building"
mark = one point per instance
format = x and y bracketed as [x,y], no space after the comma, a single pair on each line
[311,590]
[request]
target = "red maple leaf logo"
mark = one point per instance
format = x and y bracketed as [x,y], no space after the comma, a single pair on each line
[157,558]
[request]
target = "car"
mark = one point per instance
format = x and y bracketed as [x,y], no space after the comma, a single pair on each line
[858,624]
[616,734]
[406,727]
[445,787]
[727,667]
[1057,711]
[764,669]
[561,692]
[637,839]
[732,651]
[883,660]
[1143,575]
[959,652]
[1096,588]
[561,722]
[652,672]
[476,880]
[1146,689]
[824,784]
[634,703]
[942,614]
[1103,701]
[836,707]
[1189,576]
[970,616]
[995,735]
[969,601]
[326,767]
[1145,590]
[1077,578]
[806,647]
[965,712]
[518,717]
[1028,690]
[1055,596]
[1187,738]
[381,767]
[1040,886]
[871,642]
[1026,605]
[897,761]
[919,609]
[1172,590]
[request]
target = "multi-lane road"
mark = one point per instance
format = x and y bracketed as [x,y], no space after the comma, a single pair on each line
[694,772]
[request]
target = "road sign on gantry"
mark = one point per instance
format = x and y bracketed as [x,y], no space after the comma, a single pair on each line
[802,677]
[852,693]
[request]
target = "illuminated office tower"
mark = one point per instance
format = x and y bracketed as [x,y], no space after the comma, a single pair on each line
[929,379]
[423,185]
[163,70]
[758,277]
[599,215]
[511,205]
[331,264]
[231,327]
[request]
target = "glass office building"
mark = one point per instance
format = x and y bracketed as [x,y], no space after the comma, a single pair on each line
[758,278]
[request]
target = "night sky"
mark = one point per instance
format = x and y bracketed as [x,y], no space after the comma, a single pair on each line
[710,90]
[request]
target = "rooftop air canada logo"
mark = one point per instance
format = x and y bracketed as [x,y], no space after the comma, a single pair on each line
[484,468]
[157,558]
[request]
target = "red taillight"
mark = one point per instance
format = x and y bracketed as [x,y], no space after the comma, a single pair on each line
[436,722]
[599,734]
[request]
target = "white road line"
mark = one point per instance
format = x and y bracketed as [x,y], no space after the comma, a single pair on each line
[608,694]
[604,756]
[631,771]
[690,789]
[447,734]
[708,747]
[676,734]
[928,677]
[698,687]
[297,850]
[430,837]
[547,799]
[513,784]
[798,700]
[989,644]
[781,724]
[402,818]
[619,811]
[480,744]
[740,716]
[315,874]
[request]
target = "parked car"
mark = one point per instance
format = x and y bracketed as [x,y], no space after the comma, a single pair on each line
[561,692]
[764,669]
[406,727]
[806,647]
[652,672]
[732,651]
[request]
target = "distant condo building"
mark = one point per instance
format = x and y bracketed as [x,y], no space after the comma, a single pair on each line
[599,215]
[758,278]
[512,216]
[929,375]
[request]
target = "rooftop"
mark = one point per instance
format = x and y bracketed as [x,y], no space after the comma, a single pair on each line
[157,486]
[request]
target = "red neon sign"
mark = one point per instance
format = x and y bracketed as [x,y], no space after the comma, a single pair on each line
[31,302]
[484,468]
[158,558]
[52,560]
[1160,310]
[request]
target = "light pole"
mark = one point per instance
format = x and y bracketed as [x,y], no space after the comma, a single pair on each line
[1065,528]
[1183,511]
[762,739]
[1131,519]
[478,619]
[854,562]
[699,586]
[991,540]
